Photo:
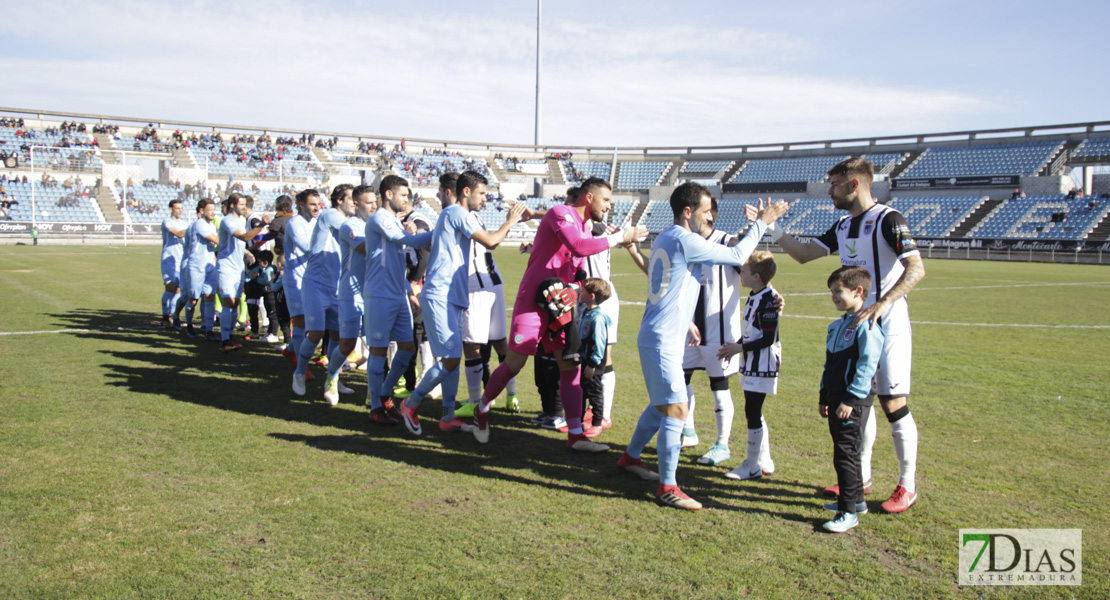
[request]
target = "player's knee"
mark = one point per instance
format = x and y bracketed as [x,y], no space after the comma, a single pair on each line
[893,404]
[718,384]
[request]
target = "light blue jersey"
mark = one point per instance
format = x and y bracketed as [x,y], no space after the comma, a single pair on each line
[386,239]
[353,261]
[171,244]
[446,277]
[298,241]
[674,273]
[203,251]
[324,256]
[188,242]
[229,257]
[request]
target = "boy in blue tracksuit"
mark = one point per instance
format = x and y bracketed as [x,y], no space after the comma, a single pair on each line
[851,357]
[593,329]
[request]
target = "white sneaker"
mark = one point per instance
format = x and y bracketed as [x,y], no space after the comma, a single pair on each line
[298,384]
[689,437]
[767,465]
[746,470]
[331,391]
[344,389]
[271,339]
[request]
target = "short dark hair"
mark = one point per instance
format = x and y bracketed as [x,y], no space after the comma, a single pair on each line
[304,195]
[572,195]
[204,202]
[687,194]
[174,201]
[591,184]
[852,278]
[469,179]
[340,191]
[855,167]
[284,203]
[362,189]
[390,183]
[266,255]
[250,201]
[448,181]
[599,288]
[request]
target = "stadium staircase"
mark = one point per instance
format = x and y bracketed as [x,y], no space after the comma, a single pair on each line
[1101,232]
[184,158]
[498,172]
[974,218]
[107,142]
[1056,163]
[325,160]
[108,201]
[905,164]
[555,172]
[732,170]
[637,214]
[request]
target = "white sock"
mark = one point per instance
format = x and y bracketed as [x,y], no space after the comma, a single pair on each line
[510,388]
[870,431]
[689,407]
[904,432]
[474,380]
[724,412]
[426,358]
[608,389]
[765,461]
[755,438]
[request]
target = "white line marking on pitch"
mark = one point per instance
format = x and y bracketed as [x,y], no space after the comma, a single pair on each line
[50,331]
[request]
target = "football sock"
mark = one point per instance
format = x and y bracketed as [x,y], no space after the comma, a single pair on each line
[608,388]
[765,448]
[669,446]
[166,306]
[401,360]
[207,316]
[867,446]
[189,310]
[904,432]
[336,358]
[433,376]
[227,322]
[450,387]
[497,381]
[304,354]
[755,436]
[175,303]
[646,427]
[296,339]
[474,371]
[723,414]
[179,304]
[510,388]
[375,374]
[570,390]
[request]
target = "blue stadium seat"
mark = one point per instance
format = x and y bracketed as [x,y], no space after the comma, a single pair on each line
[980,160]
[771,170]
[1033,218]
[934,217]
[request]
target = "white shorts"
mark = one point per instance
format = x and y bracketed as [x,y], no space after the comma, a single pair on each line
[484,320]
[762,385]
[893,375]
[705,357]
[612,309]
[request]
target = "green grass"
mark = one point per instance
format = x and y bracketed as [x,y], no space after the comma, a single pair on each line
[139,464]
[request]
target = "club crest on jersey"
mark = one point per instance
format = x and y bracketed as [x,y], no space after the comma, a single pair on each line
[569,218]
[519,339]
[867,227]
[849,334]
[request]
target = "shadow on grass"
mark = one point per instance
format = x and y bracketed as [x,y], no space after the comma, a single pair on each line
[255,381]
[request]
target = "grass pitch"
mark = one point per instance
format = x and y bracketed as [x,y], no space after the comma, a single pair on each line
[140,464]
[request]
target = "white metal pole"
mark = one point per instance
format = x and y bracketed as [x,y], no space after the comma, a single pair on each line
[539,70]
[33,187]
[126,187]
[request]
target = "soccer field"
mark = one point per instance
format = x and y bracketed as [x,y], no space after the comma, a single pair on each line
[137,463]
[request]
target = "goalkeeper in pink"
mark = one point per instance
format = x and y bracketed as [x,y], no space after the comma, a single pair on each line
[563,240]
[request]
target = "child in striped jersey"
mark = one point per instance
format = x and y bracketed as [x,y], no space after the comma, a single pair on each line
[762,356]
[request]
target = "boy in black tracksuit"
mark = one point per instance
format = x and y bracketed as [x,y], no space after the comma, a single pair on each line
[851,358]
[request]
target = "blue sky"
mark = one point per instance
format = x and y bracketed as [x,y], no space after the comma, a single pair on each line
[615,72]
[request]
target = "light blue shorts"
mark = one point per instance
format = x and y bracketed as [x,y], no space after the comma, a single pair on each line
[663,376]
[321,311]
[294,300]
[390,320]
[231,282]
[171,269]
[350,317]
[441,323]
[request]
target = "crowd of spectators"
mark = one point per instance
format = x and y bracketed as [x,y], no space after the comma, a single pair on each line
[425,168]
[10,122]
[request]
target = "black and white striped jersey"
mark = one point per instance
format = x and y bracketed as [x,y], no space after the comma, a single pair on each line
[762,350]
[482,270]
[717,314]
[878,240]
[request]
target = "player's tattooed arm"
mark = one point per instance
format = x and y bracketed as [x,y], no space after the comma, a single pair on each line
[914,272]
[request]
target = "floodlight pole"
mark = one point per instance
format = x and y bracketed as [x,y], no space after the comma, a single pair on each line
[539,68]
[126,187]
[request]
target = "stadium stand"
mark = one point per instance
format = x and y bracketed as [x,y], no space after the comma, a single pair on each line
[809,216]
[153,145]
[70,151]
[1054,217]
[768,170]
[657,216]
[995,159]
[885,163]
[705,168]
[639,175]
[51,203]
[936,216]
[425,169]
[1093,148]
[149,202]
[257,161]
[577,172]
[620,209]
